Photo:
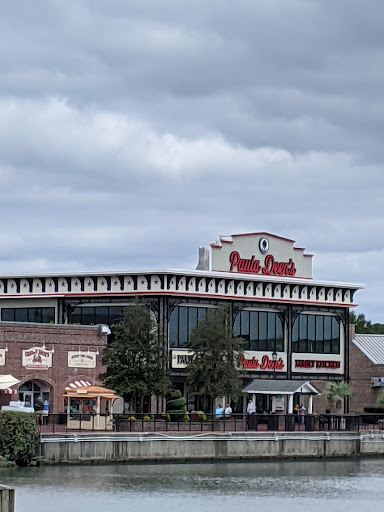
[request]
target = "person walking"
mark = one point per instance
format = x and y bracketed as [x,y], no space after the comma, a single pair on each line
[45,413]
[219,411]
[38,406]
[251,407]
[228,411]
[302,412]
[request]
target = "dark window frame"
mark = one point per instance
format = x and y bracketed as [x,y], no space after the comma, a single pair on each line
[29,315]
[326,339]
[266,326]
[191,320]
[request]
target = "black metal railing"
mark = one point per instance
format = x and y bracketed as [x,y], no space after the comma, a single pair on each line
[56,423]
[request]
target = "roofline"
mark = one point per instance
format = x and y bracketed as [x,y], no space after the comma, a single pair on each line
[204,273]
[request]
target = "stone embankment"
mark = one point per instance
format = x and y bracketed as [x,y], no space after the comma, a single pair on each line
[203,447]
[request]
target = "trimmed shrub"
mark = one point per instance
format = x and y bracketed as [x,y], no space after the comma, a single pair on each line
[18,437]
[176,407]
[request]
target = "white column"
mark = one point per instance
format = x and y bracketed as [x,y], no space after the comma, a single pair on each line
[290,404]
[310,402]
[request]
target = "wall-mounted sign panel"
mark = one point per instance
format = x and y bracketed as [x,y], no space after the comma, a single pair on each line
[37,358]
[180,358]
[377,382]
[262,362]
[78,359]
[317,363]
[262,254]
[2,356]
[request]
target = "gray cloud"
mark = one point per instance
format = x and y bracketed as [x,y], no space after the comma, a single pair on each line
[133,132]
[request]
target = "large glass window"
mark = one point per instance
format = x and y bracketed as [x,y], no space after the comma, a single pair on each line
[93,315]
[39,315]
[260,330]
[183,319]
[317,334]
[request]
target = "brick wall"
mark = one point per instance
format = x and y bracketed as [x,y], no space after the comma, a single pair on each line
[63,338]
[361,371]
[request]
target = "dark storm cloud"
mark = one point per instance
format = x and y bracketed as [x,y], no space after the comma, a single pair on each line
[133,132]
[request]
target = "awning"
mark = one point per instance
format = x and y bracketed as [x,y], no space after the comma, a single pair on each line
[10,391]
[6,383]
[280,387]
[77,384]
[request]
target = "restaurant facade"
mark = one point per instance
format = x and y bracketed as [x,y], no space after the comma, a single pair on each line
[295,329]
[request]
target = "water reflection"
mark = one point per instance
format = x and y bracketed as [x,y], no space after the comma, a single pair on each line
[338,485]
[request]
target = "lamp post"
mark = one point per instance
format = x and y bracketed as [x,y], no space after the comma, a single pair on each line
[274,359]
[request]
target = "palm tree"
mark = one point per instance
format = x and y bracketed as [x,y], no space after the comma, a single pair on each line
[335,392]
[380,398]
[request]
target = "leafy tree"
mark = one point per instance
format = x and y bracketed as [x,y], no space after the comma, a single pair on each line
[136,359]
[212,369]
[335,392]
[363,326]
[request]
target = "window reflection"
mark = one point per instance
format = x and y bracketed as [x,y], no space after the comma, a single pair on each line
[319,334]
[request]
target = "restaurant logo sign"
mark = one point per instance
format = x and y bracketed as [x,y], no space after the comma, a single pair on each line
[270,267]
[259,254]
[310,363]
[37,358]
[180,358]
[81,359]
[260,361]
[2,356]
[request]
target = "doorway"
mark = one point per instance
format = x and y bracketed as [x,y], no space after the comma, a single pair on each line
[33,390]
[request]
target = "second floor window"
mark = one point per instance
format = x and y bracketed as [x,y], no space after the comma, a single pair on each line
[260,330]
[39,315]
[318,334]
[183,319]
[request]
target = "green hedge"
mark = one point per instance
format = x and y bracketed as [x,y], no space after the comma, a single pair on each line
[18,437]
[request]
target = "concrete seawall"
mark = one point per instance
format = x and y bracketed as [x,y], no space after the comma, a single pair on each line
[150,447]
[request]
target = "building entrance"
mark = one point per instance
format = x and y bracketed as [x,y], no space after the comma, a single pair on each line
[33,390]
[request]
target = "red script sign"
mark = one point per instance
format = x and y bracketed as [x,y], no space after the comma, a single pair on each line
[253,266]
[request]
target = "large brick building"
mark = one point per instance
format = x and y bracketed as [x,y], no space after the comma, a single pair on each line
[47,358]
[294,328]
[366,369]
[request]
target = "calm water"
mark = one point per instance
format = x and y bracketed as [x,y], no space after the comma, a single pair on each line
[315,486]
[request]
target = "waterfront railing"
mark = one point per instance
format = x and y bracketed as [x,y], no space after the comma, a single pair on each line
[210,423]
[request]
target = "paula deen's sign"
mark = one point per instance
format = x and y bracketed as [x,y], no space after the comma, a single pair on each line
[262,254]
[261,361]
[37,358]
[270,267]
[81,359]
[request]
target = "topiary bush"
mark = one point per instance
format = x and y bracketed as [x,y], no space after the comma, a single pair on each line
[18,437]
[176,406]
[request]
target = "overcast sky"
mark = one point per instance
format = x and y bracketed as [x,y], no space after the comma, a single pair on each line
[133,131]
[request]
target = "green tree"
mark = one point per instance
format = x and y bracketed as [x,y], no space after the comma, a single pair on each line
[212,369]
[335,392]
[136,360]
[363,326]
